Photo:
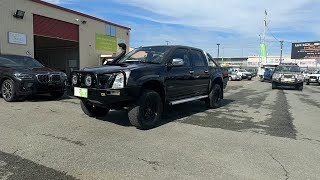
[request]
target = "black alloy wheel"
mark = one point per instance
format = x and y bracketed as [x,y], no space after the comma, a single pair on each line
[8,90]
[215,97]
[147,112]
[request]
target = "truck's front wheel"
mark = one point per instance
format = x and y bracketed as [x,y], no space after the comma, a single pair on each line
[93,111]
[147,112]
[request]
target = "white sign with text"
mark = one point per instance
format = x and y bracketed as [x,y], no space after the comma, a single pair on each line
[17,38]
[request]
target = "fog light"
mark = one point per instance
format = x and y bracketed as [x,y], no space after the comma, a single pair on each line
[74,79]
[88,80]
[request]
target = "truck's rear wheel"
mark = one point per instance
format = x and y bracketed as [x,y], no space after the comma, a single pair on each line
[93,111]
[147,112]
[215,97]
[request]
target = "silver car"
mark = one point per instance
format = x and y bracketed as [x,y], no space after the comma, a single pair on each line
[234,76]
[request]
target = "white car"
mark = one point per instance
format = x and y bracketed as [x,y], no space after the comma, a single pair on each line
[233,76]
[244,74]
[313,78]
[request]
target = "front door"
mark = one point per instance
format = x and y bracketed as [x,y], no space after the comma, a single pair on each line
[201,72]
[179,80]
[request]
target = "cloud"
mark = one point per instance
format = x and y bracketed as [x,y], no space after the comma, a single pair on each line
[242,16]
[236,24]
[59,2]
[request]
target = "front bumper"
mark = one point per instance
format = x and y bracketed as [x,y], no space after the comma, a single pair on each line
[30,87]
[312,80]
[246,76]
[287,82]
[106,97]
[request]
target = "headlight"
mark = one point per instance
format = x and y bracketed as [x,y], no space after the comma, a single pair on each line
[276,76]
[64,76]
[300,77]
[74,79]
[23,76]
[119,80]
[88,80]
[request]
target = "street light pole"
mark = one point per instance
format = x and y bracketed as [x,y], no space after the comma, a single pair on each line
[281,48]
[218,49]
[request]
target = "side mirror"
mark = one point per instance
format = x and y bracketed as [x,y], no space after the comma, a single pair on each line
[177,62]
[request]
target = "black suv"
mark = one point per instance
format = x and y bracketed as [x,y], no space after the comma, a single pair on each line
[287,75]
[146,79]
[21,76]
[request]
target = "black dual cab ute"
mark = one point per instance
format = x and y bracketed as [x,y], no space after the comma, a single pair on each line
[287,75]
[21,76]
[146,79]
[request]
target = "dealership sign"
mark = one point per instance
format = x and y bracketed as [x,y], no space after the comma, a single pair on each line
[106,43]
[305,50]
[17,38]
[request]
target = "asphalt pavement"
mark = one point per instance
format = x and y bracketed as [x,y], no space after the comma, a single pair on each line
[259,133]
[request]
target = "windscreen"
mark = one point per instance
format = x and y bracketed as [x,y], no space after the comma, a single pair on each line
[19,61]
[288,69]
[152,55]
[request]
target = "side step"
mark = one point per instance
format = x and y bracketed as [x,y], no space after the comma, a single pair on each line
[187,100]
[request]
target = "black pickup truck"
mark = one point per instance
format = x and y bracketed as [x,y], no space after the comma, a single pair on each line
[146,79]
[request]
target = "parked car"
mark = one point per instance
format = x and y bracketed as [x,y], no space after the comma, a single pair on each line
[306,74]
[244,74]
[313,78]
[267,75]
[21,76]
[253,71]
[146,79]
[234,76]
[287,75]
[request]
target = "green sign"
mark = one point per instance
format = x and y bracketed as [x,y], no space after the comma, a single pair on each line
[106,43]
[263,50]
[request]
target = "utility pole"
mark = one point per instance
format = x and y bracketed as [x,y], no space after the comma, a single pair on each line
[167,43]
[218,50]
[281,48]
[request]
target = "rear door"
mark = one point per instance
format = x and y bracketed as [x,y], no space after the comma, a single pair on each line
[201,73]
[179,80]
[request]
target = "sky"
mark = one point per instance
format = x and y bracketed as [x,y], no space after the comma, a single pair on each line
[235,24]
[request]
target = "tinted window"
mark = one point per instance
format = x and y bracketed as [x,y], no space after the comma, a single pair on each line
[197,58]
[288,69]
[212,63]
[182,54]
[146,55]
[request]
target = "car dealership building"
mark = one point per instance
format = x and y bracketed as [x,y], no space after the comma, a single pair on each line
[58,37]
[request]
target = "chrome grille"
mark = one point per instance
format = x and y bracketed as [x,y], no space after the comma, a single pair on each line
[55,78]
[43,78]
[105,81]
[313,77]
[288,76]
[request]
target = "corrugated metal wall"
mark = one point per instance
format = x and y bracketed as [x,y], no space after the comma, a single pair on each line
[48,27]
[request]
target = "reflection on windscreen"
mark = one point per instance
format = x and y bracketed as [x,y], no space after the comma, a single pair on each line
[19,61]
[288,68]
[145,55]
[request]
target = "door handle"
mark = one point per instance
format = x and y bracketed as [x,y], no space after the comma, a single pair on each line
[206,71]
[191,72]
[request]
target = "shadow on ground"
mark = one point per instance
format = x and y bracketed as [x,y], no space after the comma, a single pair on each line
[170,114]
[45,97]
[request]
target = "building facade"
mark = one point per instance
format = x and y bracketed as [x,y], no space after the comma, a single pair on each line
[58,37]
[254,61]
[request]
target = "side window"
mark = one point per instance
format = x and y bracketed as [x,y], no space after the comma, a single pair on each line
[197,58]
[182,54]
[212,63]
